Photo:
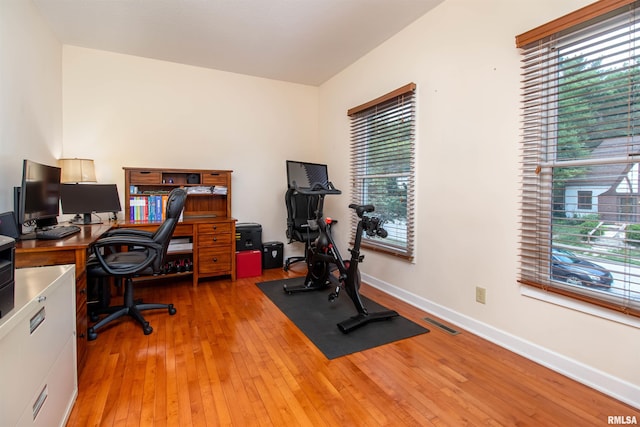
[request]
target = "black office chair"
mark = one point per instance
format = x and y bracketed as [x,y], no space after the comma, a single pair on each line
[145,255]
[301,216]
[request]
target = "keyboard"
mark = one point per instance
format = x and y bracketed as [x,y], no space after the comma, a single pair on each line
[57,232]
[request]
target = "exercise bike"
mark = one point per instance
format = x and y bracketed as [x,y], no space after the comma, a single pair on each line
[317,269]
[324,262]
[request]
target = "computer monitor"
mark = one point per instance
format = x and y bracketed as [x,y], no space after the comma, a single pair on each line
[84,199]
[304,175]
[37,199]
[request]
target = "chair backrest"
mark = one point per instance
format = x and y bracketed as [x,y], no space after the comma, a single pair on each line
[300,209]
[175,204]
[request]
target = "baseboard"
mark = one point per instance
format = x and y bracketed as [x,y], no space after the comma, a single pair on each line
[612,386]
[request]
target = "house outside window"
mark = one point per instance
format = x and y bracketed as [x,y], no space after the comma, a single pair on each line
[382,167]
[581,155]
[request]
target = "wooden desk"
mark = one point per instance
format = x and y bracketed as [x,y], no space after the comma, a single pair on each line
[213,244]
[70,250]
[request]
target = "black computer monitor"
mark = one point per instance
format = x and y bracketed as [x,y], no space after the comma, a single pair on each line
[304,175]
[37,199]
[85,199]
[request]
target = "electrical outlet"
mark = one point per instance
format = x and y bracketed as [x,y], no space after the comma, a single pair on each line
[481,295]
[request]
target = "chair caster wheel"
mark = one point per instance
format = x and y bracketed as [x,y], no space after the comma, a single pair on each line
[147,329]
[91,334]
[172,310]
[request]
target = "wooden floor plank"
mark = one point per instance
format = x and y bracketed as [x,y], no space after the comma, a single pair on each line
[230,357]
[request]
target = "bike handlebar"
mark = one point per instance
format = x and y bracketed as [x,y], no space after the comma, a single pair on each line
[381,232]
[318,188]
[362,209]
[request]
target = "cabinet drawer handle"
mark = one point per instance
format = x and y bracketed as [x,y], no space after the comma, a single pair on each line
[37,405]
[215,239]
[215,260]
[37,320]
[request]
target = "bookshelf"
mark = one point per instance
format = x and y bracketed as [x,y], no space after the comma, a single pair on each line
[205,239]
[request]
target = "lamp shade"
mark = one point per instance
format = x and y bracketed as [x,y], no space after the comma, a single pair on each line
[77,170]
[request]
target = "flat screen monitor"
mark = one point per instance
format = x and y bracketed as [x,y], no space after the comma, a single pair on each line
[304,175]
[85,199]
[38,197]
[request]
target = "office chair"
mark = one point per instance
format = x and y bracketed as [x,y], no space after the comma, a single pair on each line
[301,216]
[145,255]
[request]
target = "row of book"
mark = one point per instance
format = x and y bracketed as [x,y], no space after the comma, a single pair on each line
[148,208]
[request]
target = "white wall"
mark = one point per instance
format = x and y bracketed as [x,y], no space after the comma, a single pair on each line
[30,94]
[124,110]
[463,58]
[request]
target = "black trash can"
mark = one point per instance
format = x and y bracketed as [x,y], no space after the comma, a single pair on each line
[272,253]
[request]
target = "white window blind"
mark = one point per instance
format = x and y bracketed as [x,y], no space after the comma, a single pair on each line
[382,166]
[581,156]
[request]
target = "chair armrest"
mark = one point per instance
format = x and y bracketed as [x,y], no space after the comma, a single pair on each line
[127,232]
[152,249]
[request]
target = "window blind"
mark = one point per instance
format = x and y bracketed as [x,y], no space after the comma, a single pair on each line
[382,166]
[580,209]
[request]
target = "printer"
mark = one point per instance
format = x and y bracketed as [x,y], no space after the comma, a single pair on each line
[7,269]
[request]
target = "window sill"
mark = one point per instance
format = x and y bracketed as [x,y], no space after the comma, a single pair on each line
[580,306]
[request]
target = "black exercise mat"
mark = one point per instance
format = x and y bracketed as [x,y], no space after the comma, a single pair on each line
[318,318]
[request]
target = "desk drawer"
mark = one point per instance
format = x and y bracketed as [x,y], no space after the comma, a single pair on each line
[181,228]
[214,179]
[41,258]
[219,239]
[144,177]
[54,396]
[214,227]
[39,344]
[214,261]
[45,331]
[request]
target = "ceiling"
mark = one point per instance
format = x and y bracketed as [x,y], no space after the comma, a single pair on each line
[300,41]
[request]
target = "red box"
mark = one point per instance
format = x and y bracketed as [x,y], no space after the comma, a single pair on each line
[248,264]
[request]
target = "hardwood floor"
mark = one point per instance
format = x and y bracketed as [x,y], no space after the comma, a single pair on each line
[230,357]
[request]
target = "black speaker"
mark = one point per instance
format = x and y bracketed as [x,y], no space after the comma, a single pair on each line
[193,178]
[7,270]
[8,225]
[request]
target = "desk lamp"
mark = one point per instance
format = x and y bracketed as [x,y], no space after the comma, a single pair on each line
[75,171]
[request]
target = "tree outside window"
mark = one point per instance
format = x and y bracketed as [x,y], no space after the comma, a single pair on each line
[382,166]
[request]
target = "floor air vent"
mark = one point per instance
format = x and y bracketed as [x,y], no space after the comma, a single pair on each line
[442,326]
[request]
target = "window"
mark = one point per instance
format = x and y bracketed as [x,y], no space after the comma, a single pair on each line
[627,209]
[382,166]
[584,200]
[581,156]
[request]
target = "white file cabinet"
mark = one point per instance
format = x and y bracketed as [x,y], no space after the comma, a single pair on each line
[38,370]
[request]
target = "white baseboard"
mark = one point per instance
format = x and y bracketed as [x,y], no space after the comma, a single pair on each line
[594,378]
